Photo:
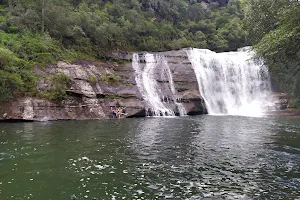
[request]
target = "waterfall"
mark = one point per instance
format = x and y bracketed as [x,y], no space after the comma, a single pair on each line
[158,98]
[231,82]
[175,98]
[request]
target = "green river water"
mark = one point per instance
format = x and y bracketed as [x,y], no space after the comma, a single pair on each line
[203,157]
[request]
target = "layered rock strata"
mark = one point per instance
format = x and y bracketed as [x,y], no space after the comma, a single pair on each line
[92,93]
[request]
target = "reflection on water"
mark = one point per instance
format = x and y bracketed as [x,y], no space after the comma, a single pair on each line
[208,157]
[148,136]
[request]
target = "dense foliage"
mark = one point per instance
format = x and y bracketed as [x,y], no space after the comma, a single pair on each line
[39,32]
[155,25]
[274,29]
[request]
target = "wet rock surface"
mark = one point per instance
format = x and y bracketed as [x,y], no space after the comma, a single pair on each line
[92,92]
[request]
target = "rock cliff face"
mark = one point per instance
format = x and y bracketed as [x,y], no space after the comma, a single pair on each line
[94,88]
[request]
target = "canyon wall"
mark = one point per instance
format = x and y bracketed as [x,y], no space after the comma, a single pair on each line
[98,85]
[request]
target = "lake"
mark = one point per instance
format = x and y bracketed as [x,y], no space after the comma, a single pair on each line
[202,157]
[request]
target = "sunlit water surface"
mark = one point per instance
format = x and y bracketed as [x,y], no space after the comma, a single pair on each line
[205,157]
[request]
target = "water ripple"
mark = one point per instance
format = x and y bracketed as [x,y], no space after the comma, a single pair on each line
[206,157]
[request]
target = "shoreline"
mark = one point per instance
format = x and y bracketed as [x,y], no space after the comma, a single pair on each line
[289,113]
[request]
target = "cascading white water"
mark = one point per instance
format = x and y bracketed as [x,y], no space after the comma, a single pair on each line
[147,84]
[175,98]
[231,82]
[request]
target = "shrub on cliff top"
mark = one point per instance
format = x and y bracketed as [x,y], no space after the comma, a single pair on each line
[6,57]
[9,83]
[57,90]
[16,75]
[110,78]
[36,48]
[93,79]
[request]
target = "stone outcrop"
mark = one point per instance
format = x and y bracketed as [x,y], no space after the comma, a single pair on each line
[92,91]
[281,100]
[185,82]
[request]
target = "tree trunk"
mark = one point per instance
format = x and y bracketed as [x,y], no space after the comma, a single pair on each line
[43,16]
[10,5]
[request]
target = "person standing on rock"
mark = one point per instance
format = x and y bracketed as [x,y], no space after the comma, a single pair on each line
[113,112]
[120,112]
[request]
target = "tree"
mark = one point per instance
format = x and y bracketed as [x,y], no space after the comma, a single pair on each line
[262,16]
[43,16]
[275,33]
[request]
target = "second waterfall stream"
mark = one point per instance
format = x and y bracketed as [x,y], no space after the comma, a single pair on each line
[231,83]
[160,100]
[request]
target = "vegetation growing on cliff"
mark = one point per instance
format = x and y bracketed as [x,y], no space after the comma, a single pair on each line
[274,30]
[95,27]
[59,83]
[16,75]
[42,32]
[110,79]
